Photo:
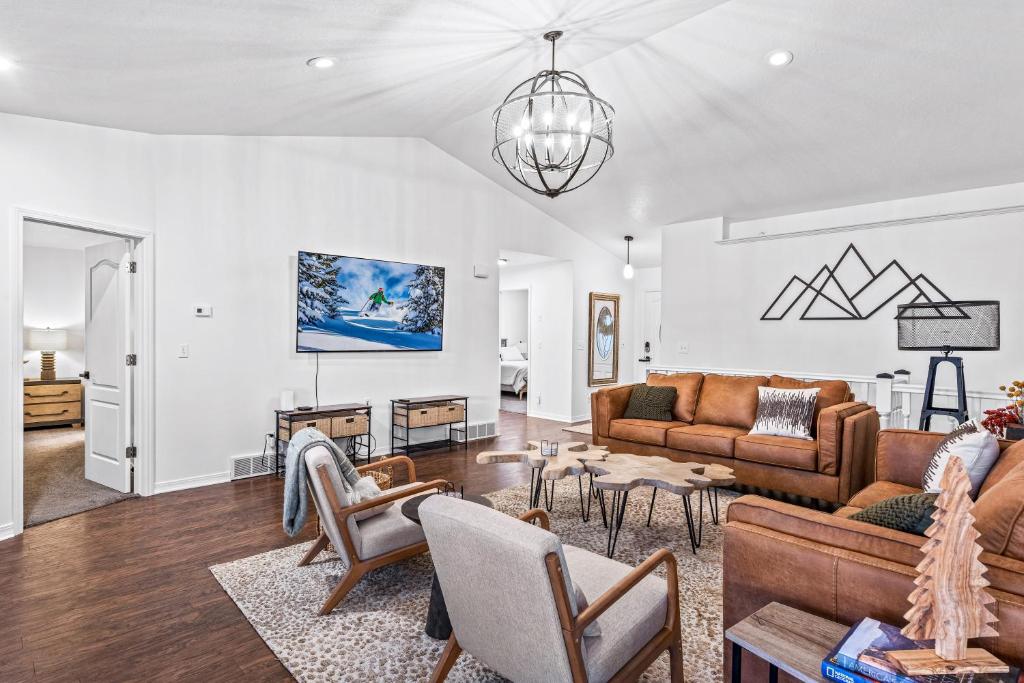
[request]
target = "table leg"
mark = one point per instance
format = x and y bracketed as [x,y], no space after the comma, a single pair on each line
[549,499]
[737,663]
[618,511]
[439,626]
[536,488]
[773,674]
[651,511]
[584,512]
[688,512]
[713,505]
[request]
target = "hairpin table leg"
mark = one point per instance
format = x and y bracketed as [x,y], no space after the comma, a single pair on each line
[615,523]
[651,511]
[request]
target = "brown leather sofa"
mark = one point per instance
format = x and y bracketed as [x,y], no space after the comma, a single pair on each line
[713,415]
[844,570]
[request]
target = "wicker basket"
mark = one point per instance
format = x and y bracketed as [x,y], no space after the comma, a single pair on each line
[385,478]
[420,416]
[450,413]
[349,425]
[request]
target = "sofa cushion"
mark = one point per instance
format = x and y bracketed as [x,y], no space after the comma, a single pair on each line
[687,386]
[709,439]
[833,391]
[651,403]
[911,513]
[784,451]
[641,431]
[1009,458]
[999,516]
[728,401]
[878,491]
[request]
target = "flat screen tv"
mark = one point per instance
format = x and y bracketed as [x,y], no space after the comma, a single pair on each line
[345,303]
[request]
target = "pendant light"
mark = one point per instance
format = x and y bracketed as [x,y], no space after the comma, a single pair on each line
[627,270]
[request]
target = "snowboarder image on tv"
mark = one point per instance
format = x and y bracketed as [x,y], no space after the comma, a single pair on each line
[376,300]
[354,304]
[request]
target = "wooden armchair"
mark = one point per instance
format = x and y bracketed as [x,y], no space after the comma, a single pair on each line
[510,589]
[363,542]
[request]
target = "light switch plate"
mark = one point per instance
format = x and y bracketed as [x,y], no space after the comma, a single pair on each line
[684,347]
[183,351]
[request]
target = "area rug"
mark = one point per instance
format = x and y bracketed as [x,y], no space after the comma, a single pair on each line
[582,428]
[55,483]
[377,632]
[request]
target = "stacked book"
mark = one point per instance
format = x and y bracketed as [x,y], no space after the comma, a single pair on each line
[860,657]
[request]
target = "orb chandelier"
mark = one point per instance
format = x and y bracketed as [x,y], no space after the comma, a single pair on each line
[552,134]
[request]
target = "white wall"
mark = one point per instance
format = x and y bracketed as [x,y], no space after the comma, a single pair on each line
[229,215]
[551,323]
[54,291]
[514,317]
[714,300]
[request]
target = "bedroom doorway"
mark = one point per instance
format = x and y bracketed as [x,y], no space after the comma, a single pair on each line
[83,386]
[535,343]
[514,348]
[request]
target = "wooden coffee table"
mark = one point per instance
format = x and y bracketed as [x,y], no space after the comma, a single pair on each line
[621,473]
[569,462]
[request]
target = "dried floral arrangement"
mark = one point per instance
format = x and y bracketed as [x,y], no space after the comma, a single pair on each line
[997,419]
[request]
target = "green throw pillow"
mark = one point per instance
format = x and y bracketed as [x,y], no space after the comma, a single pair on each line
[651,403]
[911,513]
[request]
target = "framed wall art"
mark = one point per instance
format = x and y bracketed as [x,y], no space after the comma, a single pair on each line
[603,353]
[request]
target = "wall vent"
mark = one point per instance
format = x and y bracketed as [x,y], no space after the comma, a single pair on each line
[479,430]
[245,466]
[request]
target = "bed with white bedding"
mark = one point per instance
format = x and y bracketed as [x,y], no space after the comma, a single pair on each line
[514,371]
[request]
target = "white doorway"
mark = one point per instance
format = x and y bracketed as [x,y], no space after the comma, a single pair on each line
[86,412]
[514,349]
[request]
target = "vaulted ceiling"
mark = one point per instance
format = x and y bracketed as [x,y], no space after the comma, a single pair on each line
[883,99]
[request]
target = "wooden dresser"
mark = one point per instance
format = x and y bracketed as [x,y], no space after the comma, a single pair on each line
[50,402]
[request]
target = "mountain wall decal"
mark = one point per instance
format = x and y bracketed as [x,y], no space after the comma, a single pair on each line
[851,290]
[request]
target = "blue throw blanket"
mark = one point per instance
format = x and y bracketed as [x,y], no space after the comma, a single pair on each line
[296,492]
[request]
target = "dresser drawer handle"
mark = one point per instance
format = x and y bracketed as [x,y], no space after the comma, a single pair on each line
[28,414]
[29,394]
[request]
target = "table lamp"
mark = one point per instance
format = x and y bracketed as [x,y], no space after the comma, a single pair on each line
[947,326]
[47,342]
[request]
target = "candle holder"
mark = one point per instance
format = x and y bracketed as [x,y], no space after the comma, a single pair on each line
[548,449]
[448,489]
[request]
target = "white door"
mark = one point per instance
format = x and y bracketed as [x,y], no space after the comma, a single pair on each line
[108,383]
[651,329]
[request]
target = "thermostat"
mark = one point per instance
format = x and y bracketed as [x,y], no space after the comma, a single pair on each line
[202,311]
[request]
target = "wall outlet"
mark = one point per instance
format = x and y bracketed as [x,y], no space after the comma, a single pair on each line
[538,400]
[684,347]
[183,351]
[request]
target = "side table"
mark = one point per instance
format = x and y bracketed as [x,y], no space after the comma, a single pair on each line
[788,639]
[439,626]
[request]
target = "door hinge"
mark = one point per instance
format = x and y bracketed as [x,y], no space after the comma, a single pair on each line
[131,452]
[133,266]
[130,359]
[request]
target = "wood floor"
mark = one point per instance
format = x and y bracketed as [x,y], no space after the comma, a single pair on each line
[123,593]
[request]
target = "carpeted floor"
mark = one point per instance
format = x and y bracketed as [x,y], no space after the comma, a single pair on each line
[377,632]
[509,403]
[55,483]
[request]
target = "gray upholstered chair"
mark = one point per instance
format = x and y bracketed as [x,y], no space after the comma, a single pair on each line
[362,542]
[509,589]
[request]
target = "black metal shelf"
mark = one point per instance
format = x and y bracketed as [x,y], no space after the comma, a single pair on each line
[401,434]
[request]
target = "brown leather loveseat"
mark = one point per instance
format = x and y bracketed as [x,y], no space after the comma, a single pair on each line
[844,570]
[713,415]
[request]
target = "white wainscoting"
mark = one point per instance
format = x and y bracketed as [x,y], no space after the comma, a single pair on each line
[897,400]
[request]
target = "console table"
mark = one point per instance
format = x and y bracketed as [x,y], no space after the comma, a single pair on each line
[447,410]
[337,421]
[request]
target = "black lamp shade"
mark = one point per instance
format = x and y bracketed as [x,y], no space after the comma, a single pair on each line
[948,326]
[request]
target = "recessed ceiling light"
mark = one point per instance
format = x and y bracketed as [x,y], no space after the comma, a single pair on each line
[502,262]
[321,62]
[779,57]
[6,64]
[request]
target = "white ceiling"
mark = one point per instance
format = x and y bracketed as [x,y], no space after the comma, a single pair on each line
[883,100]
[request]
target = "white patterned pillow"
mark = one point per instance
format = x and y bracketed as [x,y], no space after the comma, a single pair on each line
[977,447]
[785,412]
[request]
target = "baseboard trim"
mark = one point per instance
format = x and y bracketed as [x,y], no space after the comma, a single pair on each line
[550,416]
[191,482]
[6,531]
[581,418]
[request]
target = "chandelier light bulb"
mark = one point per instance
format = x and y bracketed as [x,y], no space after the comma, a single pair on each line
[585,126]
[548,118]
[571,120]
[517,131]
